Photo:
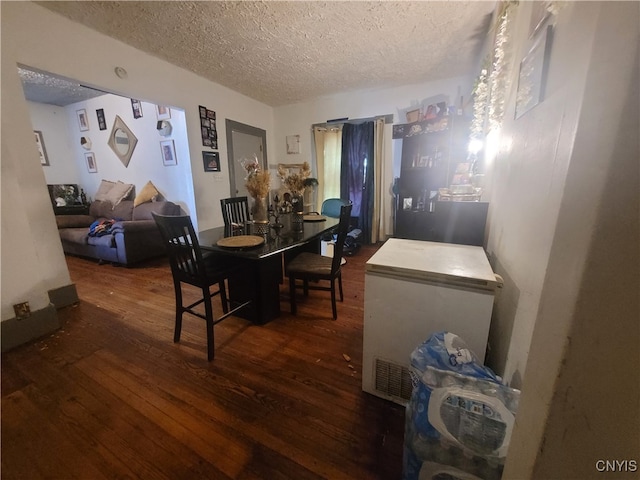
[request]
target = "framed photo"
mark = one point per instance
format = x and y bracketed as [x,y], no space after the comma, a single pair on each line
[136,106]
[163,112]
[92,166]
[211,161]
[102,123]
[533,73]
[44,160]
[83,120]
[293,144]
[168,153]
[413,115]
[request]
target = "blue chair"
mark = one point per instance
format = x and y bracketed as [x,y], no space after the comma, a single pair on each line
[331,207]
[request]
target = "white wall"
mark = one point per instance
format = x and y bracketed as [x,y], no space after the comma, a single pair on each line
[32,257]
[51,120]
[564,234]
[528,178]
[60,129]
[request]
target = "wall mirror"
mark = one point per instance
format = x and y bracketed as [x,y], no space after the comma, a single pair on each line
[243,141]
[122,141]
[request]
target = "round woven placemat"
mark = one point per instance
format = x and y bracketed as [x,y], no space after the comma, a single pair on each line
[241,241]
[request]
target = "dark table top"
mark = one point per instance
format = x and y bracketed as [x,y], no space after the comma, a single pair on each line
[274,244]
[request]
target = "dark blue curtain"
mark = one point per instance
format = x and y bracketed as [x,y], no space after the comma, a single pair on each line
[356,173]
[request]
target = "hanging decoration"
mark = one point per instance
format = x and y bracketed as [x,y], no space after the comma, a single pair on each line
[499,77]
[492,84]
[480,102]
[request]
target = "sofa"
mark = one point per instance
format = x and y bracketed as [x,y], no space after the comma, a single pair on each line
[123,234]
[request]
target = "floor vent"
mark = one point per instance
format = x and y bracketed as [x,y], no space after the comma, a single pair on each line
[393,380]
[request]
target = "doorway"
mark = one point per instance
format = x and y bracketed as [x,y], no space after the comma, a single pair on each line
[243,141]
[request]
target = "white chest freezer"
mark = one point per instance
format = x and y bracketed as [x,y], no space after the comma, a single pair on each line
[414,289]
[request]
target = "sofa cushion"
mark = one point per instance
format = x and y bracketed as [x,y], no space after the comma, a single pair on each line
[74,235]
[103,241]
[122,211]
[100,209]
[103,189]
[143,212]
[148,193]
[119,192]
[74,221]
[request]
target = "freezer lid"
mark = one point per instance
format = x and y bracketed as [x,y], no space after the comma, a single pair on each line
[433,261]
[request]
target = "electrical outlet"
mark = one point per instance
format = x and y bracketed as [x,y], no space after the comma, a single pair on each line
[22,310]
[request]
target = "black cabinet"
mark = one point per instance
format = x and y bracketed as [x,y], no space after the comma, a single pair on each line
[450,222]
[431,154]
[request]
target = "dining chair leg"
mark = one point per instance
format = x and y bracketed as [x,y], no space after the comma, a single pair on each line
[179,310]
[223,296]
[333,299]
[292,293]
[208,309]
[340,286]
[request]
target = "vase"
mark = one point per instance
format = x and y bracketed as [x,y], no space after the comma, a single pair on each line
[259,210]
[297,202]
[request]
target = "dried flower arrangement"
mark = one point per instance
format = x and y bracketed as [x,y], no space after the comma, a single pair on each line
[257,180]
[295,182]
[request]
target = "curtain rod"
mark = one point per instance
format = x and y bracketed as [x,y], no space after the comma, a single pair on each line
[387,119]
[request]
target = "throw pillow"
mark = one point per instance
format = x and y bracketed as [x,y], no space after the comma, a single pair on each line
[119,192]
[149,193]
[103,189]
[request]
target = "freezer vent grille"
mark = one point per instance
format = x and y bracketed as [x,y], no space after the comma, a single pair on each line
[393,380]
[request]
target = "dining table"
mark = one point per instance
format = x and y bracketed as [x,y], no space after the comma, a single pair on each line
[265,256]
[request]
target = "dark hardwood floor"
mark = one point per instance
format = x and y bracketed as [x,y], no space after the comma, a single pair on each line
[110,395]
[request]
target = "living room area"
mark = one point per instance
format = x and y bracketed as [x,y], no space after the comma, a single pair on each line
[280,390]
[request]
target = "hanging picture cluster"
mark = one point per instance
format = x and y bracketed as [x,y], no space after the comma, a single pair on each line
[208,128]
[83,124]
[209,133]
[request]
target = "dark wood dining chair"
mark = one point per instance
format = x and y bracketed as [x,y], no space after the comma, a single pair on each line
[235,212]
[190,266]
[314,267]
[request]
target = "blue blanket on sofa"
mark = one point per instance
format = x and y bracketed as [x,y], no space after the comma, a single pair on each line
[101,227]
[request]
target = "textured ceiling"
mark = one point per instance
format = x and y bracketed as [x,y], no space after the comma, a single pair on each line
[44,88]
[287,52]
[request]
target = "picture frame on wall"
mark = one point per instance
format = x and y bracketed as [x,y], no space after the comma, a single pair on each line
[533,73]
[211,161]
[163,112]
[102,123]
[42,151]
[293,144]
[92,166]
[136,106]
[83,120]
[168,153]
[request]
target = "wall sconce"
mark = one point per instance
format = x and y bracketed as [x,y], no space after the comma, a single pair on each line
[85,142]
[164,128]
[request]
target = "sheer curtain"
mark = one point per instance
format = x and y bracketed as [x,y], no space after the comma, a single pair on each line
[328,143]
[377,226]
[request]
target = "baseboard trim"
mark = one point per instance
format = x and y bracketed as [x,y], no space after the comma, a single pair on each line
[15,332]
[64,296]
